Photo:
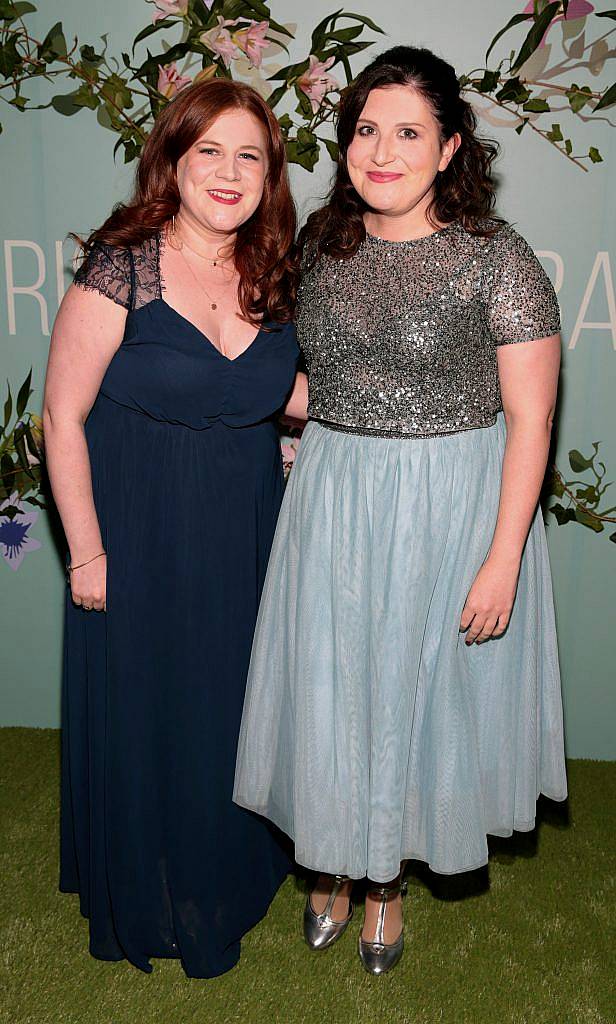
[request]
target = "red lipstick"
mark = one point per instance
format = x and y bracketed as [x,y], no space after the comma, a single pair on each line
[224,196]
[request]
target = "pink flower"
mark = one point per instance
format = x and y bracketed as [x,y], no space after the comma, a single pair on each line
[219,41]
[576,9]
[170,81]
[315,82]
[252,41]
[288,447]
[166,7]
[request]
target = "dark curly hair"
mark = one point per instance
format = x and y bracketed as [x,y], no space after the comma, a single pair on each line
[262,250]
[464,191]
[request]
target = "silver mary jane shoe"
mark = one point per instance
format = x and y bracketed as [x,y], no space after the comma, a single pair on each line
[378,956]
[320,931]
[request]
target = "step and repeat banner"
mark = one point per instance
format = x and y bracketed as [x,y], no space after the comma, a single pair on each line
[543,92]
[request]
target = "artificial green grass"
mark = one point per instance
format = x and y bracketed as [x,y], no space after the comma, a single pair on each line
[535,946]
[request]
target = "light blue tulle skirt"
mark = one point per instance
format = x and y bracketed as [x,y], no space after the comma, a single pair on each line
[371,733]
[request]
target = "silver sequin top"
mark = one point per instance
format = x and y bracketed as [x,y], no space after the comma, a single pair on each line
[400,340]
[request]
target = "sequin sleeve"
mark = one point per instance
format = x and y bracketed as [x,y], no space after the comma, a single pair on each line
[107,270]
[522,304]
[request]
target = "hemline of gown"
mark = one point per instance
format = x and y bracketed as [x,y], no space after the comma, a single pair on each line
[337,869]
[147,968]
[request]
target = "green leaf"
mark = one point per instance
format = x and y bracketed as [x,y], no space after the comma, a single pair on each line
[304,106]
[35,452]
[595,155]
[587,494]
[285,123]
[608,98]
[345,35]
[117,91]
[305,155]
[263,13]
[332,149]
[274,98]
[568,147]
[556,485]
[320,32]
[10,58]
[8,408]
[536,34]
[54,44]
[536,106]
[37,502]
[11,11]
[89,56]
[521,126]
[19,440]
[365,20]
[563,515]
[151,29]
[24,394]
[613,537]
[306,138]
[7,472]
[556,134]
[590,521]
[606,14]
[513,91]
[516,20]
[105,118]
[131,151]
[66,104]
[86,97]
[19,102]
[577,461]
[489,81]
[174,53]
[577,99]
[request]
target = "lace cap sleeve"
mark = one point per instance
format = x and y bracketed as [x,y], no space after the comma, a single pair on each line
[522,303]
[107,269]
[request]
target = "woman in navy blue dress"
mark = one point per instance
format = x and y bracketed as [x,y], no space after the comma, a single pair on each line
[171,356]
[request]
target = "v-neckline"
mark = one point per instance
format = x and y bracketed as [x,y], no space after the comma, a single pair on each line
[207,340]
[185,319]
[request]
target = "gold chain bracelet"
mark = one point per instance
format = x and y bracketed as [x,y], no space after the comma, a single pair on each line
[71,568]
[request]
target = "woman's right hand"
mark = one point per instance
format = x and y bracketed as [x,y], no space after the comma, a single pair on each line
[89,585]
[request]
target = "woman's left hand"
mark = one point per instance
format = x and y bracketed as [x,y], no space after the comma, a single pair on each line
[490,600]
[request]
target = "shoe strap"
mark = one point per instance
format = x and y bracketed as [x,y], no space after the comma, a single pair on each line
[384,892]
[339,881]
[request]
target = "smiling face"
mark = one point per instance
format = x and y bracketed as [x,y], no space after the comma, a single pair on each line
[221,177]
[397,151]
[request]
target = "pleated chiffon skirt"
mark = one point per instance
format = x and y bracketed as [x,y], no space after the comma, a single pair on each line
[371,733]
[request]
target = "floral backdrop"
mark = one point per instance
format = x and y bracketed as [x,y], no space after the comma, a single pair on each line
[532,87]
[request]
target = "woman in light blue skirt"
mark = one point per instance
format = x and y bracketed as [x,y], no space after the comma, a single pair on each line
[404,694]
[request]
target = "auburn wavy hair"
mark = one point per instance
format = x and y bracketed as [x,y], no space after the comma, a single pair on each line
[262,254]
[464,191]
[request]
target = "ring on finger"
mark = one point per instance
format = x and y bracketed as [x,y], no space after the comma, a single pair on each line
[87,607]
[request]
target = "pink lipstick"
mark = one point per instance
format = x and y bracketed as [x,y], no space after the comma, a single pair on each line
[383,176]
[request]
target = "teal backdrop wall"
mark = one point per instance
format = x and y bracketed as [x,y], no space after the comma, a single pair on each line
[58,175]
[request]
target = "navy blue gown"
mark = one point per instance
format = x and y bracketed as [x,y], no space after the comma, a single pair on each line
[187,478]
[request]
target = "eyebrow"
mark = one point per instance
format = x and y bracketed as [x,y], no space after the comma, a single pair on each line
[401,124]
[212,142]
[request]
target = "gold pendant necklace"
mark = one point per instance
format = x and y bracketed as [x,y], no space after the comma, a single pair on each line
[213,301]
[218,261]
